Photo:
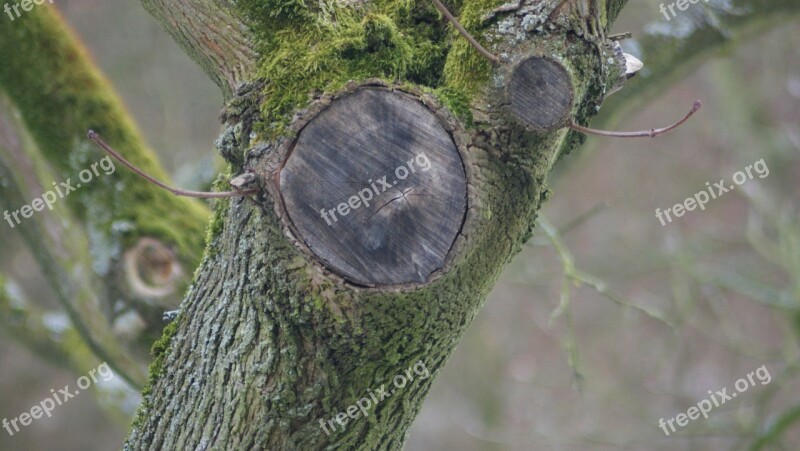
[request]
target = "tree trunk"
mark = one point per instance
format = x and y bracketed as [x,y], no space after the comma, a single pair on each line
[318,316]
[300,334]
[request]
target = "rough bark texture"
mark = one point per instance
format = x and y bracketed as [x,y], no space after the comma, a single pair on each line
[270,342]
[211,34]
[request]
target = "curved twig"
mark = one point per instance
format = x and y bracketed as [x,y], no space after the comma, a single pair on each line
[652,133]
[178,192]
[481,49]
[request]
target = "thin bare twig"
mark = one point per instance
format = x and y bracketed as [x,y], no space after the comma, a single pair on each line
[620,36]
[178,192]
[652,133]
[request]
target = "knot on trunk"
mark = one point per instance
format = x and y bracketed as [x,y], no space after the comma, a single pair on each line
[153,273]
[374,186]
[540,93]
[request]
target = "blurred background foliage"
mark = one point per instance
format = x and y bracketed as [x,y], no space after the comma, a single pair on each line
[606,322]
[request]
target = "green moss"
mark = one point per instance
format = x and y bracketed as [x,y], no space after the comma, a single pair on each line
[159,352]
[217,223]
[458,102]
[466,69]
[319,47]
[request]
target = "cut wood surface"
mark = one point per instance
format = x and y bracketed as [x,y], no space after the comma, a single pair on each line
[376,188]
[540,93]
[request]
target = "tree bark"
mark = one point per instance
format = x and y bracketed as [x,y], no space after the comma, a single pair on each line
[212,34]
[273,340]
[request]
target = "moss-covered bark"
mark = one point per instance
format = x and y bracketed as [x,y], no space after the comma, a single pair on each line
[269,343]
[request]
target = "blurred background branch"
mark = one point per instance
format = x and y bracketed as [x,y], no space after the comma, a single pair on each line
[91,245]
[670,50]
[42,335]
[58,244]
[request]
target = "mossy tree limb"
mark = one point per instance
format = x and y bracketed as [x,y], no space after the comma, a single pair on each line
[51,81]
[46,333]
[270,341]
[59,246]
[49,335]
[25,324]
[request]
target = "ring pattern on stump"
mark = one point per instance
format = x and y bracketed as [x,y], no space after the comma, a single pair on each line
[375,187]
[540,92]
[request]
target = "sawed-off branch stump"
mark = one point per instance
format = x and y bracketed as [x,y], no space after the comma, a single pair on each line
[374,186]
